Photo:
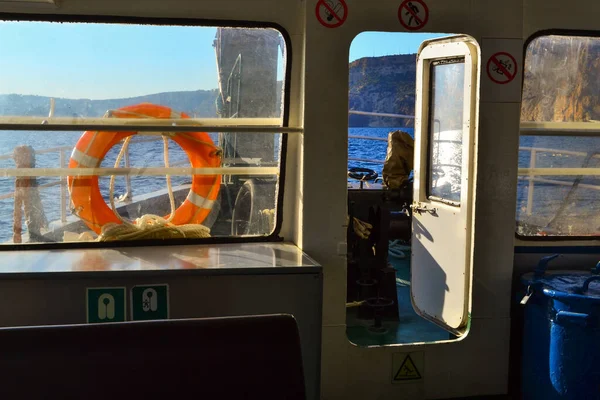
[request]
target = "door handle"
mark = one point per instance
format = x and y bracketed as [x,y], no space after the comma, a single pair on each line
[420,208]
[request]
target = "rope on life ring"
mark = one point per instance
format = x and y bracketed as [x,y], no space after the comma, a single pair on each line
[183,222]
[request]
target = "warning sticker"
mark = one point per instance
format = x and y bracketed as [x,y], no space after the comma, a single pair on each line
[502,68]
[413,14]
[331,13]
[407,367]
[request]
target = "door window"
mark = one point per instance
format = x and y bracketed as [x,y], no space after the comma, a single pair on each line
[445,141]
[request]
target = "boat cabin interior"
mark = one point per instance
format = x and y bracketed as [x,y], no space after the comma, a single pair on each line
[300,199]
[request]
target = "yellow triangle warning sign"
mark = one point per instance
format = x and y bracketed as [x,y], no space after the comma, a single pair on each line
[407,371]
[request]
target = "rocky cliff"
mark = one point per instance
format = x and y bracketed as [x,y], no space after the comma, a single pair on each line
[376,84]
[199,103]
[562,79]
[382,84]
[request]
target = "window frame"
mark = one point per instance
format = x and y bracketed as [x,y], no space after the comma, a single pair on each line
[526,43]
[191,22]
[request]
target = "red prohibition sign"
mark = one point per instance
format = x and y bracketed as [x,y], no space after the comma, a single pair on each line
[413,14]
[331,13]
[502,68]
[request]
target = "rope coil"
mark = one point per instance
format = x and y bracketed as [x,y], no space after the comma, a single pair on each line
[148,226]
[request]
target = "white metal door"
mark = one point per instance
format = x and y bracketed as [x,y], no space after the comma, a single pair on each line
[444,181]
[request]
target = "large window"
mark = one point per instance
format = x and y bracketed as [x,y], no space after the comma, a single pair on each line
[559,154]
[139,131]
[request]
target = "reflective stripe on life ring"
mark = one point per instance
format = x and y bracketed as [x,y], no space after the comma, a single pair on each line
[93,146]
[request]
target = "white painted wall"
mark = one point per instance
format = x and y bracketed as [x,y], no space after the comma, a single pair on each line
[479,364]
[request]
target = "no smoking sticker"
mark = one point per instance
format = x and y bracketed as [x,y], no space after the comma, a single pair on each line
[502,68]
[331,13]
[413,14]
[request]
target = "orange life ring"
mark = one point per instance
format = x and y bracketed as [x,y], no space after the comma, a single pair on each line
[92,147]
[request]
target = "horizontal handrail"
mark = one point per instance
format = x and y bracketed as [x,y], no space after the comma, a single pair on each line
[366,160]
[158,122]
[45,185]
[531,128]
[547,150]
[376,114]
[527,128]
[555,182]
[43,151]
[367,138]
[560,171]
[236,125]
[153,128]
[151,171]
[388,115]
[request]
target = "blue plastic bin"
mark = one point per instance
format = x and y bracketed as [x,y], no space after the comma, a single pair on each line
[561,344]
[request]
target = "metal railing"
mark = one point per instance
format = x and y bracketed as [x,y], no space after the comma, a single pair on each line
[526,174]
[63,172]
[62,181]
[532,174]
[374,114]
[63,154]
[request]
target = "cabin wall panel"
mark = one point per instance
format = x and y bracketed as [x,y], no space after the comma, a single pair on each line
[60,298]
[498,19]
[379,375]
[452,369]
[334,363]
[334,294]
[325,158]
[475,366]
[495,208]
[292,202]
[444,16]
[556,14]
[284,12]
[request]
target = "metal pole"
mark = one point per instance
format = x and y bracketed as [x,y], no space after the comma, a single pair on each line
[128,191]
[63,190]
[531,183]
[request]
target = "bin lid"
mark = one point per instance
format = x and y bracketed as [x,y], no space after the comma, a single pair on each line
[566,283]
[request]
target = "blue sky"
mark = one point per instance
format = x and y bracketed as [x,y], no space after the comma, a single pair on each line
[101,61]
[104,61]
[376,44]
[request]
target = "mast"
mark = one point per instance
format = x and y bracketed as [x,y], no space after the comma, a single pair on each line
[247,61]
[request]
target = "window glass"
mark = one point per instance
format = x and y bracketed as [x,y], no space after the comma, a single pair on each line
[447,79]
[561,98]
[58,184]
